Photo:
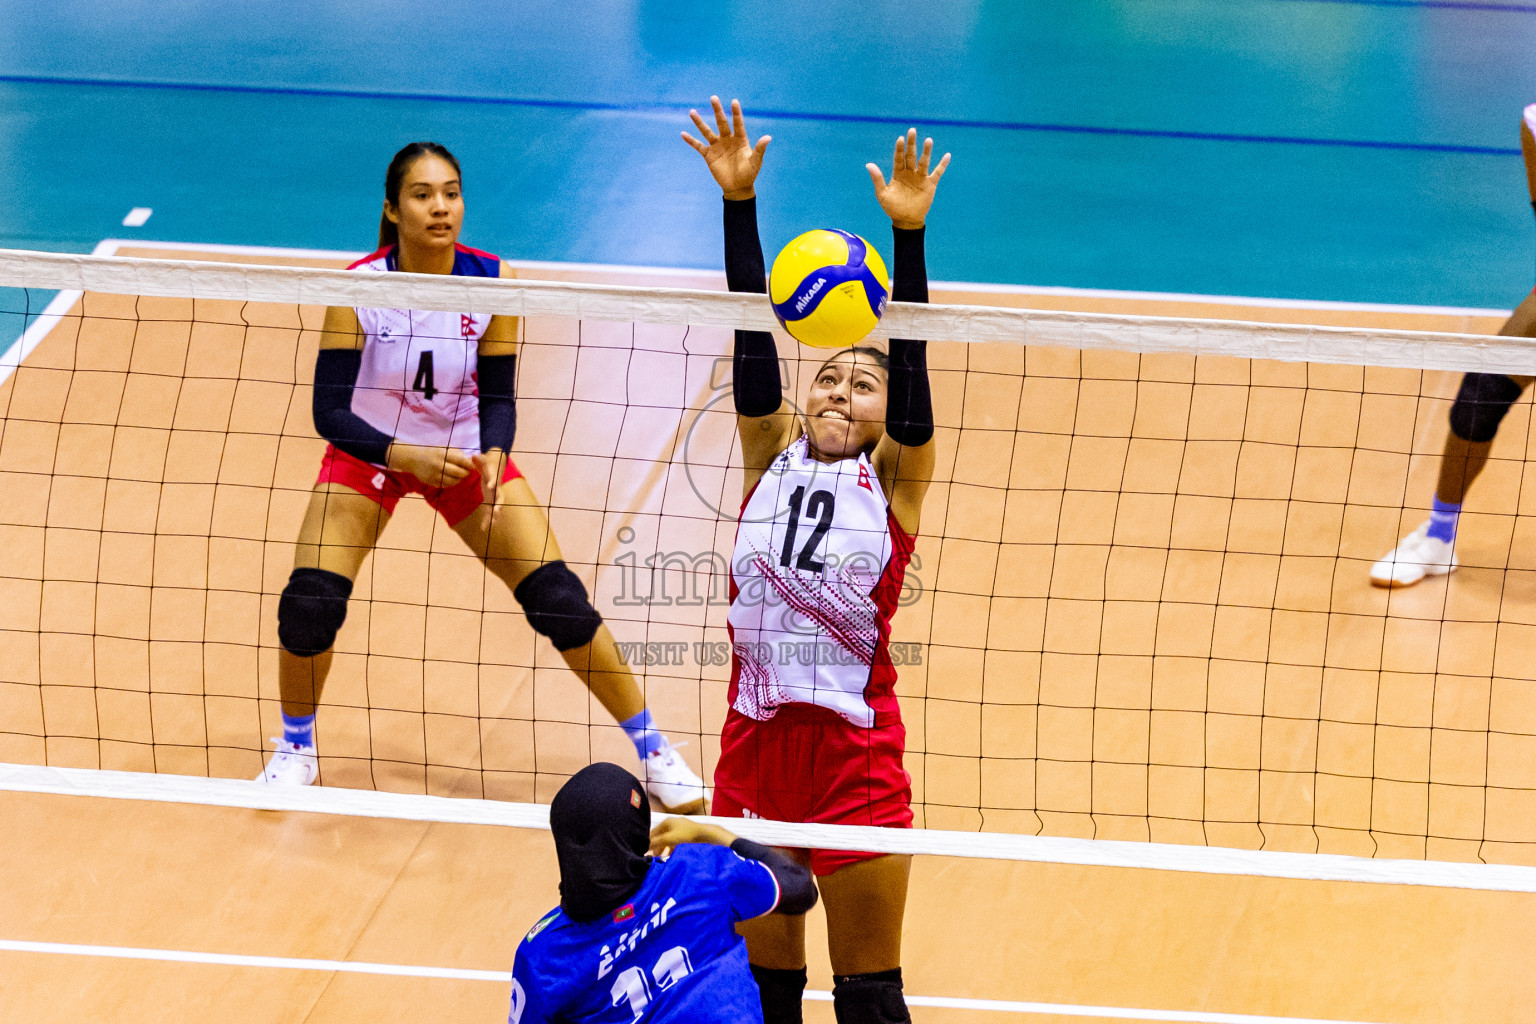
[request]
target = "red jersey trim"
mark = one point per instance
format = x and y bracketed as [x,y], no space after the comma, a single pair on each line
[376,254]
[880,691]
[457,246]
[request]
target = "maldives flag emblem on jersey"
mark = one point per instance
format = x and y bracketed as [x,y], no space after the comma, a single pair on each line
[624,913]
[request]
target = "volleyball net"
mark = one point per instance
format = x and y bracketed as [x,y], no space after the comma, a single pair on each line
[1138,608]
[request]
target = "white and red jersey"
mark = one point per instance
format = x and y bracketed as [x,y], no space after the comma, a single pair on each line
[417,382]
[815,578]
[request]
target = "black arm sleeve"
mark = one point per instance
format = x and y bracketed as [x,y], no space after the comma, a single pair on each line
[495,376]
[909,403]
[755,384]
[797,890]
[335,377]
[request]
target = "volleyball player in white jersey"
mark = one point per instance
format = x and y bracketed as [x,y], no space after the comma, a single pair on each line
[833,497]
[421,402]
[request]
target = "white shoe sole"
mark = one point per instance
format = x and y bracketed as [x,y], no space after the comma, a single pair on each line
[1392,584]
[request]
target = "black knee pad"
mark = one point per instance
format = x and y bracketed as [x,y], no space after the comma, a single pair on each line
[870,998]
[782,993]
[1481,403]
[311,611]
[556,605]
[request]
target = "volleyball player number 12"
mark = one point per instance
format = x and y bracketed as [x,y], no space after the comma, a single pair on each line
[820,506]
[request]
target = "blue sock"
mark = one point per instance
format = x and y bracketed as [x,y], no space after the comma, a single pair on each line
[1442,520]
[299,731]
[642,732]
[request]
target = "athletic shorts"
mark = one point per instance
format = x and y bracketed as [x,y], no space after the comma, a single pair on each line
[808,763]
[387,487]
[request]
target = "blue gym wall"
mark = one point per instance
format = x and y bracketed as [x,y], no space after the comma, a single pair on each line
[1364,150]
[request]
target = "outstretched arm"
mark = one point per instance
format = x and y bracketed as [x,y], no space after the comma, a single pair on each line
[764,419]
[904,457]
[797,889]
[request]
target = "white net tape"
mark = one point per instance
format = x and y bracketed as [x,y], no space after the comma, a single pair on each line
[1283,342]
[920,841]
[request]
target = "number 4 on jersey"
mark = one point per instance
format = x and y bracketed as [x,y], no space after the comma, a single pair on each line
[423,381]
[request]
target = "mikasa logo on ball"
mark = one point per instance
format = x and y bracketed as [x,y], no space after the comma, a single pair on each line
[805,300]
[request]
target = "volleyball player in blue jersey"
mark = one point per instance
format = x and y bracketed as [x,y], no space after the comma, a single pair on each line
[640,938]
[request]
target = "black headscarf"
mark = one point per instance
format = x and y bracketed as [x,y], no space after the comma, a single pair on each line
[601,821]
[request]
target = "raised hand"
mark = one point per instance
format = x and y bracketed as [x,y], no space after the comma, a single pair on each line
[677,830]
[910,193]
[733,160]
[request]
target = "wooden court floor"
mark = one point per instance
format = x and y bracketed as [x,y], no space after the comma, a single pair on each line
[1139,594]
[207,879]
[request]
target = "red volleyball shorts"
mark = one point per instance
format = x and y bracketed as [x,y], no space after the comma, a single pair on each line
[387,487]
[808,763]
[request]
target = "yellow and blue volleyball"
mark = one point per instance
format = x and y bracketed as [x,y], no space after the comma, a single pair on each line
[829,288]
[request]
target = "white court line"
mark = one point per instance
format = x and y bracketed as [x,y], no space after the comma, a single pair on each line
[137,217]
[33,336]
[1212,860]
[49,318]
[504,977]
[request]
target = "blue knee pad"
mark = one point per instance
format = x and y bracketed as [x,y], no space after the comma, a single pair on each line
[1481,404]
[870,998]
[311,611]
[557,607]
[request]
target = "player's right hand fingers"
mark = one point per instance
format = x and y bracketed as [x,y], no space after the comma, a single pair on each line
[721,123]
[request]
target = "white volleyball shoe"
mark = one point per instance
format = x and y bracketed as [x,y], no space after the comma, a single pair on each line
[291,765]
[1416,556]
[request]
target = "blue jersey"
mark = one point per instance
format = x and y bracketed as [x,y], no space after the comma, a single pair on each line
[669,956]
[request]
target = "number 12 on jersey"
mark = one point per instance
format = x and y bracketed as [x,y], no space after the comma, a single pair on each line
[820,507]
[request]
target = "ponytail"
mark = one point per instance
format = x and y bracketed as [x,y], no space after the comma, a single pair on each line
[389,231]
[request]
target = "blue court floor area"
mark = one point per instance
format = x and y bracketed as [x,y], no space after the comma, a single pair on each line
[1357,150]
